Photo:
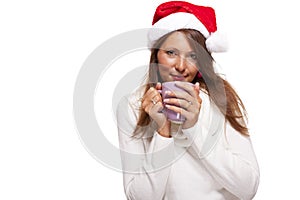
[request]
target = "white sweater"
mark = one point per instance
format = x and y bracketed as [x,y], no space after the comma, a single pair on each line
[210,161]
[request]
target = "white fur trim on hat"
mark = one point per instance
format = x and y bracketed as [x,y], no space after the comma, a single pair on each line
[174,22]
[217,42]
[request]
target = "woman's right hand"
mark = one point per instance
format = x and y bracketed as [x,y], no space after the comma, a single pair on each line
[152,105]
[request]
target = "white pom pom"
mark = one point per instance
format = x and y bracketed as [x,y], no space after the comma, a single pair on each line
[217,42]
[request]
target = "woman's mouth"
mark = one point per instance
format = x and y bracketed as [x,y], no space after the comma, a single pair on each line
[178,77]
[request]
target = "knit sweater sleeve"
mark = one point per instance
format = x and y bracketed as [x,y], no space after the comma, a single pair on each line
[145,159]
[227,155]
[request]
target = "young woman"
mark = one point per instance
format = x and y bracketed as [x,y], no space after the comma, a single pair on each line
[208,156]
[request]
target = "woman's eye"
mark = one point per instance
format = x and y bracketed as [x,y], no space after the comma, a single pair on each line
[193,56]
[171,53]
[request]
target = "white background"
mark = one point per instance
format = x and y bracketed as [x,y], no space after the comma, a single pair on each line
[43,45]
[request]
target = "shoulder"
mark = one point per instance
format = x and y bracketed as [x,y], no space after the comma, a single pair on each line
[131,103]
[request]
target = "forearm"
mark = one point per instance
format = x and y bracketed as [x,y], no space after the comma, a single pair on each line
[147,178]
[237,173]
[230,159]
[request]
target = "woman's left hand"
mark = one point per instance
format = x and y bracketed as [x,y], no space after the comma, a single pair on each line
[186,103]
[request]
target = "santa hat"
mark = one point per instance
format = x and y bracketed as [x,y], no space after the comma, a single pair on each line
[174,15]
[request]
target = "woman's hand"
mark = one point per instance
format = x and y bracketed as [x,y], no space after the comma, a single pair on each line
[186,103]
[152,105]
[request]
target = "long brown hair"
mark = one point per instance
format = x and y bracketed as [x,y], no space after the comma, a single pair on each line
[218,89]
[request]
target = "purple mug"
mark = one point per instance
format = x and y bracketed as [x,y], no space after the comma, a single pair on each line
[171,115]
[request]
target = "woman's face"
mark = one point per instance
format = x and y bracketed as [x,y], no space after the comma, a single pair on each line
[177,60]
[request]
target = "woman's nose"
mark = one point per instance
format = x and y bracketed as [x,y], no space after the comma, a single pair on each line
[180,64]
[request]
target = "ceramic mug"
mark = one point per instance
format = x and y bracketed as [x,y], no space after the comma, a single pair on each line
[170,114]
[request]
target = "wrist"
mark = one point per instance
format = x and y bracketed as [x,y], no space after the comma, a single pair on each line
[164,131]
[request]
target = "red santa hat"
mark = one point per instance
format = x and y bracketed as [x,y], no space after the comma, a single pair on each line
[174,15]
